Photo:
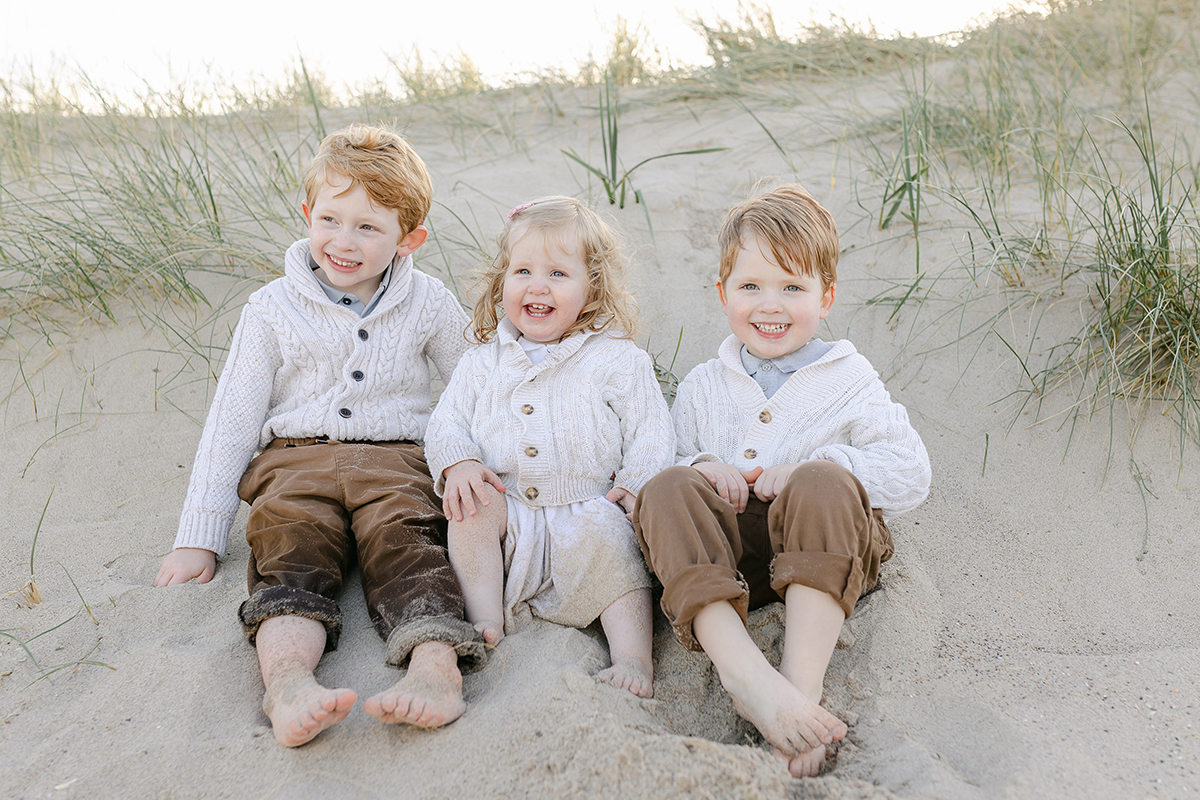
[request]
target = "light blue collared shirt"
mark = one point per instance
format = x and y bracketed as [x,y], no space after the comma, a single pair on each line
[771,373]
[351,301]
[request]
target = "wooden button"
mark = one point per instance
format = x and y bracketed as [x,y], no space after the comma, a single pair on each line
[750,454]
[527,409]
[764,417]
[531,493]
[531,452]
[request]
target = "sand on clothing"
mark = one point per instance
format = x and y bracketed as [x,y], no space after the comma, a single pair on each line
[1036,635]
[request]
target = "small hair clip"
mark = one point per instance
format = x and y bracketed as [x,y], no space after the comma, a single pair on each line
[517,210]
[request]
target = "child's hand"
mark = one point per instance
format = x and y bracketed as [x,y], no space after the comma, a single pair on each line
[186,563]
[624,498]
[464,485]
[770,483]
[731,483]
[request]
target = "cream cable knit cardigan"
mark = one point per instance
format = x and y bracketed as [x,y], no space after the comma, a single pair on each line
[835,409]
[589,417]
[302,366]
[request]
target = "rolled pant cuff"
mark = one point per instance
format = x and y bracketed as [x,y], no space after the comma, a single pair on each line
[696,587]
[288,601]
[839,576]
[458,633]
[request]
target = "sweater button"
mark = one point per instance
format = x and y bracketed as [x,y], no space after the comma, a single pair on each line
[531,493]
[750,454]
[527,409]
[764,417]
[531,452]
[357,375]
[345,412]
[362,334]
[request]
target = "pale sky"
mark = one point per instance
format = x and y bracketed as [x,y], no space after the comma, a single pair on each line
[132,43]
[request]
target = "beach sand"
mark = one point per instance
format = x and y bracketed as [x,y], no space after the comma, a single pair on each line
[1036,635]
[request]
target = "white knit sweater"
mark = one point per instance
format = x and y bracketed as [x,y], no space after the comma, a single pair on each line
[302,366]
[835,409]
[590,416]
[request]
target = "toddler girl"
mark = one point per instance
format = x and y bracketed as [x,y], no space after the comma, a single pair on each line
[560,411]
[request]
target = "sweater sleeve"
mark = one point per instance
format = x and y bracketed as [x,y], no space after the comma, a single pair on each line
[448,341]
[448,439]
[647,436]
[231,434]
[885,453]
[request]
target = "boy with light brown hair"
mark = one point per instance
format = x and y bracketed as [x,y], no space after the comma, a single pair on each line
[328,378]
[790,451]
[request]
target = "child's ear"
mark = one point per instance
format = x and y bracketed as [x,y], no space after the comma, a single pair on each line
[721,293]
[415,238]
[307,212]
[827,300]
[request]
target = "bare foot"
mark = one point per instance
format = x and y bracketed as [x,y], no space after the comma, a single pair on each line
[491,631]
[429,696]
[302,708]
[783,715]
[805,765]
[630,676]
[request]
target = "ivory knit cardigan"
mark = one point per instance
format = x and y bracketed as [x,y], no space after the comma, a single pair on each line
[835,409]
[590,416]
[301,366]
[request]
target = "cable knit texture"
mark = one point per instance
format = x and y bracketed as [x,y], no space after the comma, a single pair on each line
[589,417]
[835,409]
[291,372]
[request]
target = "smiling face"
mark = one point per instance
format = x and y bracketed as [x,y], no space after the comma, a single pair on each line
[353,240]
[772,311]
[545,287]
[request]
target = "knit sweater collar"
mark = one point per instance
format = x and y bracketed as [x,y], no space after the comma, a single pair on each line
[730,356]
[507,334]
[308,285]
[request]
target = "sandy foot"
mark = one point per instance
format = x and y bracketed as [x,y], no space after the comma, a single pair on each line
[783,715]
[629,676]
[301,709]
[429,696]
[491,631]
[805,765]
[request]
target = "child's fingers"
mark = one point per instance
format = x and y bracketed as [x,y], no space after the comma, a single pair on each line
[495,481]
[478,482]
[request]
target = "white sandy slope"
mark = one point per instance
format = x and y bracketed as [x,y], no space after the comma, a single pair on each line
[1036,634]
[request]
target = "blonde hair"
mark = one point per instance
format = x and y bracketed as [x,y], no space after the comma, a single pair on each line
[609,304]
[799,232]
[381,162]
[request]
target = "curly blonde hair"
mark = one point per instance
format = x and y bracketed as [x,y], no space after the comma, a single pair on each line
[379,160]
[573,226]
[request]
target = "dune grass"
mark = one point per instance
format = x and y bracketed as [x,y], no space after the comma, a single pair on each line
[131,207]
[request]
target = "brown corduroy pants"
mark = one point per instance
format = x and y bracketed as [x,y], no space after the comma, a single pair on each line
[316,507]
[821,531]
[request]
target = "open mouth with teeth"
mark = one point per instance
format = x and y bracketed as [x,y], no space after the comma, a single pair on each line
[538,310]
[344,266]
[770,328]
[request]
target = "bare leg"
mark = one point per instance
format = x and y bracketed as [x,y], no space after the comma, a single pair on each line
[627,625]
[288,651]
[474,550]
[814,621]
[429,695]
[782,713]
